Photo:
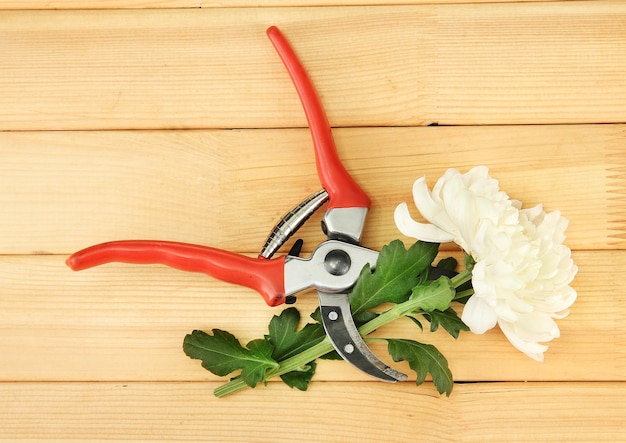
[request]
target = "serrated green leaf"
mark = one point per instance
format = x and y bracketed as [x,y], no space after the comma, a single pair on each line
[423,359]
[448,263]
[363,317]
[332,355]
[286,339]
[416,321]
[448,320]
[300,379]
[317,315]
[397,272]
[221,353]
[434,295]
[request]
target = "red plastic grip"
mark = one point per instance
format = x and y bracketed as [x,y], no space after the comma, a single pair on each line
[343,191]
[264,276]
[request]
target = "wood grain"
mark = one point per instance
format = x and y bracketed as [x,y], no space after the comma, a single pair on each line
[156,4]
[329,411]
[227,189]
[174,120]
[123,322]
[401,66]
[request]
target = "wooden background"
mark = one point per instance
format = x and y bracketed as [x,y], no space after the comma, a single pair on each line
[175,120]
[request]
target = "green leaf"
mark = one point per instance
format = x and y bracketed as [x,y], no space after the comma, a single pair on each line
[288,341]
[416,321]
[397,272]
[332,355]
[448,320]
[221,353]
[468,262]
[448,263]
[434,295]
[317,315]
[423,359]
[300,379]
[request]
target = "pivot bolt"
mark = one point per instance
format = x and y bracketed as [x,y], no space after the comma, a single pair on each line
[337,262]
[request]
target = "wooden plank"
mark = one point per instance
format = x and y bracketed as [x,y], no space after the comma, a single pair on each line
[156,4]
[123,322]
[392,66]
[97,355]
[368,412]
[68,190]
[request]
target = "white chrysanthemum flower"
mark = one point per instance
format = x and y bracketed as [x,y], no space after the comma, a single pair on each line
[522,272]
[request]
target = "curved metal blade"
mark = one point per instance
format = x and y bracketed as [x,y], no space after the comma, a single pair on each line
[343,334]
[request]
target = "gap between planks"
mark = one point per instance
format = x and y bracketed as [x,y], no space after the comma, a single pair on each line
[195,4]
[328,411]
[506,63]
[226,189]
[124,322]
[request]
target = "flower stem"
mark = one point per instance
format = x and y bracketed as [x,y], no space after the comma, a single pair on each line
[291,364]
[462,294]
[324,347]
[461,277]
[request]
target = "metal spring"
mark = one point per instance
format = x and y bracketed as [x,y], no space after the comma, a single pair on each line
[291,222]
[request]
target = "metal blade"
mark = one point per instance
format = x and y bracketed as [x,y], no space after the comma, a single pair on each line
[343,334]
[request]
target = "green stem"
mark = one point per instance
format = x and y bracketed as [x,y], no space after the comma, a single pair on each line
[463,294]
[461,277]
[324,347]
[291,364]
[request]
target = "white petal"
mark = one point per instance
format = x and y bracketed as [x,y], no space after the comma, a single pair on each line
[533,213]
[531,349]
[467,211]
[479,173]
[536,327]
[450,174]
[429,208]
[421,231]
[567,297]
[523,270]
[478,315]
[505,312]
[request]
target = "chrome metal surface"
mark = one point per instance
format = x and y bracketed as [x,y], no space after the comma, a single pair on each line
[344,223]
[326,270]
[291,222]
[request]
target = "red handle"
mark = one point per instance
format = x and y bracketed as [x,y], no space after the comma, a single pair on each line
[262,275]
[343,191]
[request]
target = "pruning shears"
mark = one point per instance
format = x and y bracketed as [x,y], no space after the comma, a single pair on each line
[333,267]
